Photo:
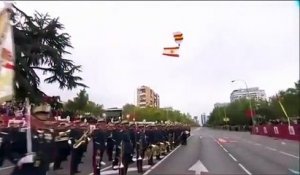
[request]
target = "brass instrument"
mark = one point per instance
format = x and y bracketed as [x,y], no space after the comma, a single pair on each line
[62,135]
[81,140]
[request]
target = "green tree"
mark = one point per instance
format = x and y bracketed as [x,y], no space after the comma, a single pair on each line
[128,109]
[82,105]
[40,45]
[79,103]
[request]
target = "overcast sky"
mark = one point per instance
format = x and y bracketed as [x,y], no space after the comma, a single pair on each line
[119,45]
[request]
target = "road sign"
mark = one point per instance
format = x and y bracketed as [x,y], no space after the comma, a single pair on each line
[198,167]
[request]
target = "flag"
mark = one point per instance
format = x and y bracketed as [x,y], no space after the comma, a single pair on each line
[248,113]
[6,56]
[178,37]
[171,51]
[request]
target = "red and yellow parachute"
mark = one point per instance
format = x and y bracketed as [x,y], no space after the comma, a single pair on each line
[178,37]
[174,51]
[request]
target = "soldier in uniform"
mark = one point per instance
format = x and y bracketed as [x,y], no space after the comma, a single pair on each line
[62,148]
[33,163]
[99,140]
[75,135]
[117,136]
[110,142]
[127,146]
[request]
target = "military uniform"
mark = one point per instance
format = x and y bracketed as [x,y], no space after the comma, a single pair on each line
[35,163]
[75,135]
[99,146]
[62,148]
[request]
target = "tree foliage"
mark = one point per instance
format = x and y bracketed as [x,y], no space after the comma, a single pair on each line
[264,110]
[40,45]
[82,105]
[156,114]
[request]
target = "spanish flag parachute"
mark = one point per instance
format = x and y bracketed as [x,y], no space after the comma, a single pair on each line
[174,51]
[178,37]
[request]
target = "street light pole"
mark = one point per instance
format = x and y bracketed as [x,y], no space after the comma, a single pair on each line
[248,94]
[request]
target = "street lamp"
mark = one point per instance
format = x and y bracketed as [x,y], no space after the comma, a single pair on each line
[248,94]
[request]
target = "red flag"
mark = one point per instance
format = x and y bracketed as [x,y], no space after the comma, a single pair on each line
[248,113]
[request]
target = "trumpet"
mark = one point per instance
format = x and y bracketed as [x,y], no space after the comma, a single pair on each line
[81,140]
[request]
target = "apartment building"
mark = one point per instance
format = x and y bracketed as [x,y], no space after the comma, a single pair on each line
[254,93]
[146,97]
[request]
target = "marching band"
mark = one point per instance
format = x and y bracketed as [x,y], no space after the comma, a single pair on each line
[53,141]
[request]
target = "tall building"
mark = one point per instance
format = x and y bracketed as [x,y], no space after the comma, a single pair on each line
[218,105]
[147,97]
[203,119]
[254,93]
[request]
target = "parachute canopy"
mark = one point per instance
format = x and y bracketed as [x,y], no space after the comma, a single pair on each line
[178,37]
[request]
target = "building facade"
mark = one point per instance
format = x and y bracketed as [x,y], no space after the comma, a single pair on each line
[254,93]
[146,97]
[219,105]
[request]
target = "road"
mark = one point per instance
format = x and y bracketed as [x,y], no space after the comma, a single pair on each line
[212,151]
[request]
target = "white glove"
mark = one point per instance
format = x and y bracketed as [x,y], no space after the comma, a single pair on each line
[51,165]
[25,159]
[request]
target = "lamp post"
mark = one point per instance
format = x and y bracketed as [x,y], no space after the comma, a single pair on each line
[248,94]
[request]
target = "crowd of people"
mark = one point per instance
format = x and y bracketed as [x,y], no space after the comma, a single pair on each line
[123,142]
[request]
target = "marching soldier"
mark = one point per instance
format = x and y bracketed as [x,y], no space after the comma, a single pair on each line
[127,149]
[74,142]
[117,136]
[33,163]
[110,142]
[99,146]
[62,148]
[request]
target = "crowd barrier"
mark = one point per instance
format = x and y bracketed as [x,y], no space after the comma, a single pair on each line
[283,131]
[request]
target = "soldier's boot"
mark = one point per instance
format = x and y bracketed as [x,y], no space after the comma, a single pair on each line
[139,164]
[150,161]
[109,155]
[168,149]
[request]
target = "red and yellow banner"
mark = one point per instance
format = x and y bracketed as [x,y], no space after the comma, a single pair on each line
[6,56]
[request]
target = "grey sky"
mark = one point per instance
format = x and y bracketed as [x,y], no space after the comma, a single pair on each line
[119,45]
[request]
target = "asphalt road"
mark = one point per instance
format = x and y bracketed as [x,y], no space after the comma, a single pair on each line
[212,151]
[208,152]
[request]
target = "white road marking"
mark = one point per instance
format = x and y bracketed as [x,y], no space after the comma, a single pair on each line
[283,143]
[270,148]
[289,154]
[232,157]
[158,163]
[294,171]
[225,150]
[198,167]
[130,169]
[8,167]
[248,172]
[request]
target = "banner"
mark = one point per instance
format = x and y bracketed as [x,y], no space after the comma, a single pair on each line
[6,56]
[171,51]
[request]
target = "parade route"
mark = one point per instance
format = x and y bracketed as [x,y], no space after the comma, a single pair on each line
[210,151]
